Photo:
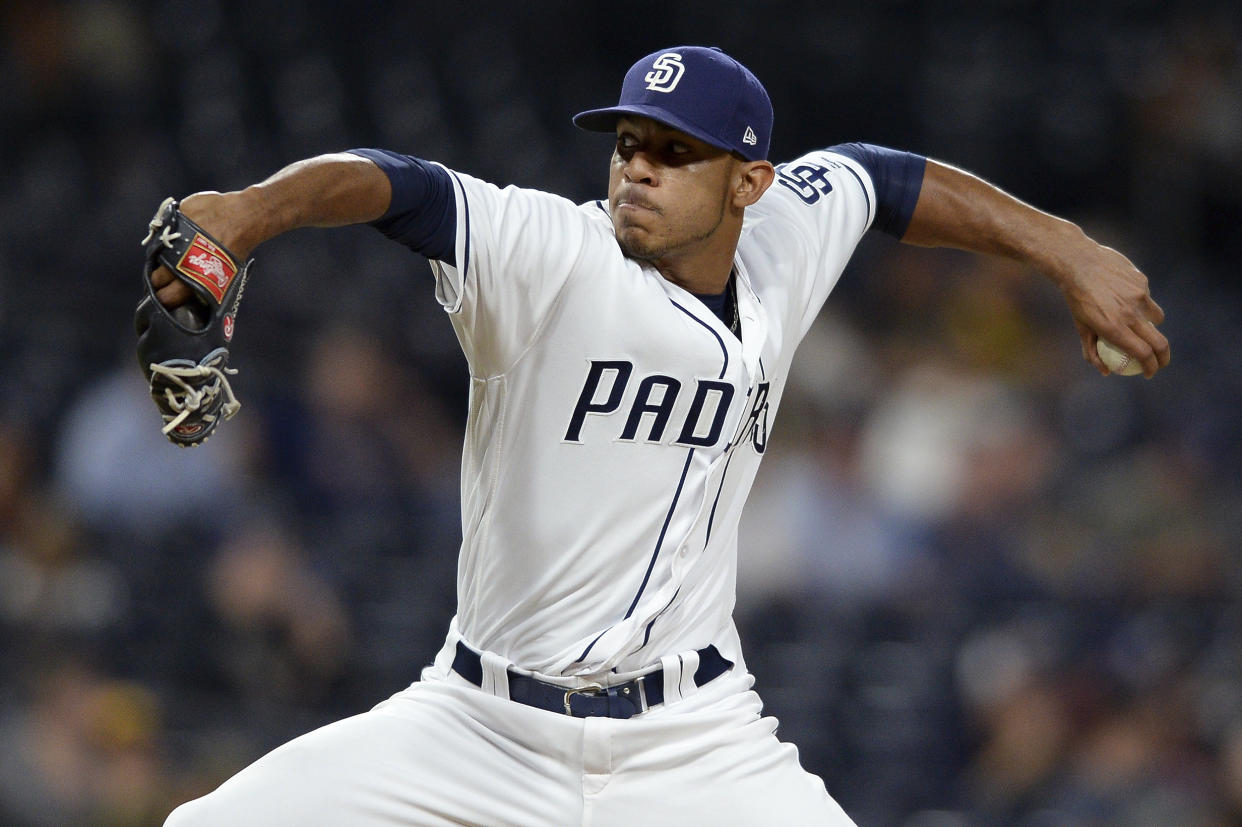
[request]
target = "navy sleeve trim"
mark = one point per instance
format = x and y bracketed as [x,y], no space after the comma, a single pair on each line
[897,177]
[423,211]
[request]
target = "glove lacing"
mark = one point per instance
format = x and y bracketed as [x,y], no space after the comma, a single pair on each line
[187,399]
[166,237]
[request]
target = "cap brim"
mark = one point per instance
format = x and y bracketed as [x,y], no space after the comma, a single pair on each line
[605,120]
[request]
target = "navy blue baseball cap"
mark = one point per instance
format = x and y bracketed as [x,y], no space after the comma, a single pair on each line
[698,90]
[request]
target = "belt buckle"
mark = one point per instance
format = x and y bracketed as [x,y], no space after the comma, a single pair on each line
[581,690]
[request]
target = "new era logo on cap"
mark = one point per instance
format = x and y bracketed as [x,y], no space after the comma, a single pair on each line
[698,90]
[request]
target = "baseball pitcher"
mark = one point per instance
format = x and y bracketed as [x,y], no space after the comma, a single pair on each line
[627,359]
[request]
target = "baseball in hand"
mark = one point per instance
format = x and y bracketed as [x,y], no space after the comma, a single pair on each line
[185,315]
[1117,360]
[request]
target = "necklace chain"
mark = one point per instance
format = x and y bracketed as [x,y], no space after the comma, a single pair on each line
[735,318]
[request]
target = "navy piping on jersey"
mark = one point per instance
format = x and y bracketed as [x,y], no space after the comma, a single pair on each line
[724,350]
[465,265]
[659,614]
[711,518]
[668,517]
[862,187]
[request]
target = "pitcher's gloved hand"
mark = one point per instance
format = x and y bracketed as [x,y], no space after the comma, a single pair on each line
[183,351]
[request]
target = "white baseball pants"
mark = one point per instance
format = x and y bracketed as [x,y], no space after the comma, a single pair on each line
[444,752]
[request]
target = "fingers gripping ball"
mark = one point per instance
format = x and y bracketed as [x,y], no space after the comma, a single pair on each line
[1117,360]
[184,352]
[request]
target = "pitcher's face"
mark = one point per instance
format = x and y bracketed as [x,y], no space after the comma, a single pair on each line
[668,192]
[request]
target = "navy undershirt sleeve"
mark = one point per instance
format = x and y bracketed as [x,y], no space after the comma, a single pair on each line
[897,177]
[423,211]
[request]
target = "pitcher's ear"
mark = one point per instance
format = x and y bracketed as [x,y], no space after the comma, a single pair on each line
[753,180]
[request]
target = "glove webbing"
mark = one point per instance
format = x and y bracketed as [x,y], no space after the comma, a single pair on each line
[189,399]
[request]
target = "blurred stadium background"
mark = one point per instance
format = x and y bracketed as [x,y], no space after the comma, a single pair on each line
[981,584]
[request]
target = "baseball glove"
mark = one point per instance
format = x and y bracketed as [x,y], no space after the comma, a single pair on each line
[184,352]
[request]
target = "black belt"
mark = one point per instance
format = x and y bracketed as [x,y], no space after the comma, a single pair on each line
[624,700]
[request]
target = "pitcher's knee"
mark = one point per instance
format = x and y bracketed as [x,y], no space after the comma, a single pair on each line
[190,814]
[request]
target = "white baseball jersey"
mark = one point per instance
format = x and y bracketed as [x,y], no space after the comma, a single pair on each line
[615,424]
[615,428]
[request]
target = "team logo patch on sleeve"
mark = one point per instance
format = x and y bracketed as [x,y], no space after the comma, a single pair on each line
[208,265]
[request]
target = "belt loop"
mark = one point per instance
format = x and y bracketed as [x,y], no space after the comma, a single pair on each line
[495,675]
[689,666]
[671,664]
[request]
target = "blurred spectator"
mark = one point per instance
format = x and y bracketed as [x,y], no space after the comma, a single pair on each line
[83,749]
[53,587]
[282,631]
[48,586]
[120,472]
